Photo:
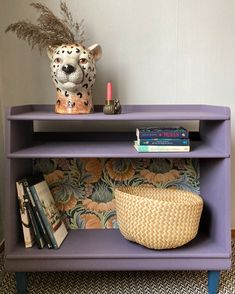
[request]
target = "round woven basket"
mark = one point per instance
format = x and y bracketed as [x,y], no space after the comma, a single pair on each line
[158,218]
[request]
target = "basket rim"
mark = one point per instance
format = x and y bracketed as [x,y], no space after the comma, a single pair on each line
[197,199]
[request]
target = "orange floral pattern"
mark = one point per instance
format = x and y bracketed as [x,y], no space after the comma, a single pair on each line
[83,188]
[93,168]
[156,178]
[70,203]
[91,221]
[54,176]
[99,207]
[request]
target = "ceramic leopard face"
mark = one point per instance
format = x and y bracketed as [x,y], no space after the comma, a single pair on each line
[73,71]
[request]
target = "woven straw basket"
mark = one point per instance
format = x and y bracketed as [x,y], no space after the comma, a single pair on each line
[158,218]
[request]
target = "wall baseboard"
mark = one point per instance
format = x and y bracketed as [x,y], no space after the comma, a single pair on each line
[2,243]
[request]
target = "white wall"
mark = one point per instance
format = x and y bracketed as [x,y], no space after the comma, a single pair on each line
[154,51]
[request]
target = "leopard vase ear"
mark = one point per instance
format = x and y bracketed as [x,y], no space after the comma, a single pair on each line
[96,51]
[50,51]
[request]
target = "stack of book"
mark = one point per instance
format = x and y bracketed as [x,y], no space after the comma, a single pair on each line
[162,139]
[41,220]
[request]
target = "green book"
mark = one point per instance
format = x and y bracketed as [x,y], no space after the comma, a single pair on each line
[38,235]
[49,213]
[36,213]
[160,148]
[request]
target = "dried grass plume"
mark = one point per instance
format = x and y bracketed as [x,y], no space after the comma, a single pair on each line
[49,30]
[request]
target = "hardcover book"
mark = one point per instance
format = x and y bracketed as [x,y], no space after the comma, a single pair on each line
[162,132]
[157,148]
[27,226]
[51,217]
[40,231]
[164,142]
[36,228]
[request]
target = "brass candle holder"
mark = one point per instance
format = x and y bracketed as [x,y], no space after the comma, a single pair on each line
[112,107]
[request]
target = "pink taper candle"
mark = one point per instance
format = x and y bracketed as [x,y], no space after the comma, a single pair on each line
[109,92]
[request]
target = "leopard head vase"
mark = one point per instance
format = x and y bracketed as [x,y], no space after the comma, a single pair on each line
[73,71]
[73,66]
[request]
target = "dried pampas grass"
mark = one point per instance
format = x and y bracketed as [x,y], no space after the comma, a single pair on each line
[50,30]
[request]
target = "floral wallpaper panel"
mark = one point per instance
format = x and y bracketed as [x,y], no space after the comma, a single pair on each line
[82,188]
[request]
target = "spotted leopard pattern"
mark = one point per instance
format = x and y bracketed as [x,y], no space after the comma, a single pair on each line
[73,71]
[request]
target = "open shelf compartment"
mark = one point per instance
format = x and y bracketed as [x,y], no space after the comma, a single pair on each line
[212,138]
[106,249]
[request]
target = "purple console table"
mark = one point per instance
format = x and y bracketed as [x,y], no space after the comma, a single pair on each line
[106,249]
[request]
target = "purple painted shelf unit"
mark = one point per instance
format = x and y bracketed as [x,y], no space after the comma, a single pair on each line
[107,249]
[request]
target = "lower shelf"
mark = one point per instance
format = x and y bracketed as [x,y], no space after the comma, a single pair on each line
[108,250]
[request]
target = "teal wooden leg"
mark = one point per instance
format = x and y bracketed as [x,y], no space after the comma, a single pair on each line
[213,281]
[21,283]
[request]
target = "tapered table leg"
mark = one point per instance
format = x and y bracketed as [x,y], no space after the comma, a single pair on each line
[21,282]
[213,281]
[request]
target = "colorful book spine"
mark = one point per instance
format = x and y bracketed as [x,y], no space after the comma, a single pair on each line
[157,148]
[163,142]
[37,214]
[162,132]
[27,226]
[44,217]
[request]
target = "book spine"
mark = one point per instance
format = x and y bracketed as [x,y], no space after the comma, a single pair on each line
[142,148]
[27,226]
[174,133]
[37,214]
[38,236]
[152,135]
[164,142]
[44,217]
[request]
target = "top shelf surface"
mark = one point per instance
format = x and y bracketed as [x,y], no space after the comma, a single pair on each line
[129,113]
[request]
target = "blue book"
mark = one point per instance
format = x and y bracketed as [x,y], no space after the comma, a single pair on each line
[162,132]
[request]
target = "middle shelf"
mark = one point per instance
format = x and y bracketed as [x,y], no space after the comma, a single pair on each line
[115,149]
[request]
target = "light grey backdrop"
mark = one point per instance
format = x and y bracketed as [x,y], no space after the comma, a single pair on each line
[154,51]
